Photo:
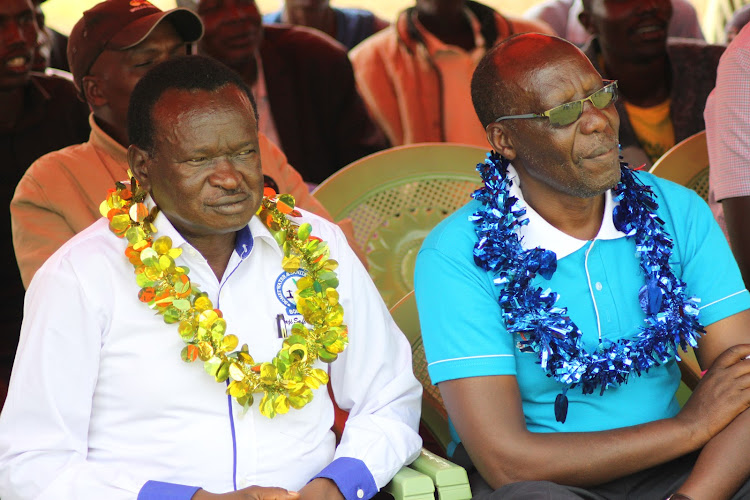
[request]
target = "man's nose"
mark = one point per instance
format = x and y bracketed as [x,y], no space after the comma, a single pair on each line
[650,5]
[594,119]
[12,36]
[225,174]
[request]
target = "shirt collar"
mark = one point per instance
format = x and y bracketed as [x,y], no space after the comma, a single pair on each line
[435,45]
[540,233]
[102,141]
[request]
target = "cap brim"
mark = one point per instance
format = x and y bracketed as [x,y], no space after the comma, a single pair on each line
[186,22]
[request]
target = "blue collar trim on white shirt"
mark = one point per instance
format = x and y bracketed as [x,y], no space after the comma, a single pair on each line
[244,242]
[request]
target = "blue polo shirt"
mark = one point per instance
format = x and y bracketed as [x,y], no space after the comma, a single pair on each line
[598,282]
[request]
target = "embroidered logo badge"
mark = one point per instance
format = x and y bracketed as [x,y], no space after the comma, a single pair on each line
[285,287]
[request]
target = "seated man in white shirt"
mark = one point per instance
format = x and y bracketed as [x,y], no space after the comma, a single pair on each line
[104,402]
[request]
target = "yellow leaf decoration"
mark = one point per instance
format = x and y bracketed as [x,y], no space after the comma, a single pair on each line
[163,285]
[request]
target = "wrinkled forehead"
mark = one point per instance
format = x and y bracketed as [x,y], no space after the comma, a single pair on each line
[554,77]
[197,111]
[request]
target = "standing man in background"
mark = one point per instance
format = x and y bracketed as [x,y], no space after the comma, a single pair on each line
[415,74]
[38,114]
[303,82]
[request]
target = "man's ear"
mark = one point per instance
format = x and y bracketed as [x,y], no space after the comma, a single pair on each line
[501,142]
[585,19]
[92,91]
[139,160]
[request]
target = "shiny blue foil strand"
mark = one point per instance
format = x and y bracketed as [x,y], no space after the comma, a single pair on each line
[530,312]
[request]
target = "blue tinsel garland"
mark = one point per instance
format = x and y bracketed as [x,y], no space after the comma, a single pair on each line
[671,317]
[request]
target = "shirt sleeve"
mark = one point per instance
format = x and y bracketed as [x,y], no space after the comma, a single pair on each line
[157,490]
[462,327]
[45,422]
[372,380]
[38,228]
[705,261]
[352,478]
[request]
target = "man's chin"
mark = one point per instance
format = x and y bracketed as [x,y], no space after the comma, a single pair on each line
[13,81]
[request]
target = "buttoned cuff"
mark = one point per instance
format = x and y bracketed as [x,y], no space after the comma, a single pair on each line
[352,477]
[156,490]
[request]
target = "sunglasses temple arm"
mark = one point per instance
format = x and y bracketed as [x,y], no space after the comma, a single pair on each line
[513,117]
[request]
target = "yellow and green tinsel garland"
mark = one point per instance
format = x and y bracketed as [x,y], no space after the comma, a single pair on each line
[289,379]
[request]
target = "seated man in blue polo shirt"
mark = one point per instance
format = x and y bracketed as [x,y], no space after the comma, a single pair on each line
[554,305]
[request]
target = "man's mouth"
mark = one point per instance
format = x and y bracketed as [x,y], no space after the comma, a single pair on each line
[651,30]
[229,200]
[19,63]
[600,152]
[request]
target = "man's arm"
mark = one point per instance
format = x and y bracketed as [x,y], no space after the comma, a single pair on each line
[45,423]
[38,228]
[373,380]
[495,435]
[723,465]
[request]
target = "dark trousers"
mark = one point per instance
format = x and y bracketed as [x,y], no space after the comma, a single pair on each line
[656,483]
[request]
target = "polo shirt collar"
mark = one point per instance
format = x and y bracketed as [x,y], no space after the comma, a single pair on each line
[540,233]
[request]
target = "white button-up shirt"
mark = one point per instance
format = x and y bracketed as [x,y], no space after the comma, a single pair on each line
[100,401]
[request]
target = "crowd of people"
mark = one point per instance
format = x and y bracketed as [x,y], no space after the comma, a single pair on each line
[161,165]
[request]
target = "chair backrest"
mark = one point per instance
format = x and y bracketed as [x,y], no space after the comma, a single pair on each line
[434,416]
[686,163]
[394,198]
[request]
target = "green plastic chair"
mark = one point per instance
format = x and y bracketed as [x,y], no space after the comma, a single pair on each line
[686,163]
[394,198]
[450,480]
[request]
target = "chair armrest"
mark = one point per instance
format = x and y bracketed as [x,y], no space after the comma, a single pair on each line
[409,484]
[451,480]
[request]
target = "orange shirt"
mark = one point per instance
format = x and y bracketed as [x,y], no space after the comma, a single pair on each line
[653,127]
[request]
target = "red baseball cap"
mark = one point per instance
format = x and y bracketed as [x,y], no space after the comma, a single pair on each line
[120,25]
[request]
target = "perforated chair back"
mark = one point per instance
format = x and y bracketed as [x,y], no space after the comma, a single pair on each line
[394,198]
[686,163]
[434,415]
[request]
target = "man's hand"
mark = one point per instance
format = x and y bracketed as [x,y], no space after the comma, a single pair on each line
[721,395]
[249,493]
[317,489]
[321,489]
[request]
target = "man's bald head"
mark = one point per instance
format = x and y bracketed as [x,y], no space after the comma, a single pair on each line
[504,83]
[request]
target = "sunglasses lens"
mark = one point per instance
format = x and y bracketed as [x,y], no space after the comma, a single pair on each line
[603,97]
[565,114]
